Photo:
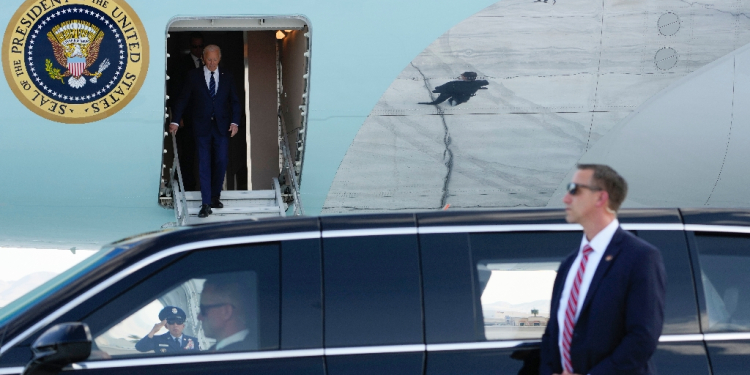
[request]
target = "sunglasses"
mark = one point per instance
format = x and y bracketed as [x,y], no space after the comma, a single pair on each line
[175,321]
[573,188]
[204,308]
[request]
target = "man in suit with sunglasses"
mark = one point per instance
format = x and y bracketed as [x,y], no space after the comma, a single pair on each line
[225,311]
[186,140]
[172,342]
[607,306]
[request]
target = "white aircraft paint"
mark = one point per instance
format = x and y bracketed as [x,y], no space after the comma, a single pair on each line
[561,77]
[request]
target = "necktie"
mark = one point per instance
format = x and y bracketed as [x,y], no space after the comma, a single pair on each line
[177,340]
[570,311]
[212,86]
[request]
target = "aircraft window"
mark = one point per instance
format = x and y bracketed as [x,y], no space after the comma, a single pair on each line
[724,261]
[514,276]
[211,300]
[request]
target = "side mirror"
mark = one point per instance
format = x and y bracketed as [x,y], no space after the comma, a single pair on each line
[58,347]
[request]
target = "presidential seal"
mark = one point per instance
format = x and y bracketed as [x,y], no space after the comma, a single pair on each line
[75,61]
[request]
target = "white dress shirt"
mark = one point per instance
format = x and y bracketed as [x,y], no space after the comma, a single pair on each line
[599,244]
[237,337]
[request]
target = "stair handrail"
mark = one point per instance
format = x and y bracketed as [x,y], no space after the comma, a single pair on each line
[279,200]
[178,188]
[287,156]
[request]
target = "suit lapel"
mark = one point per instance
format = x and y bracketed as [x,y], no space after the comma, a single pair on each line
[222,83]
[609,256]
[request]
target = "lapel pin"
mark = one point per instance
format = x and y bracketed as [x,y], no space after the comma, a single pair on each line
[608,258]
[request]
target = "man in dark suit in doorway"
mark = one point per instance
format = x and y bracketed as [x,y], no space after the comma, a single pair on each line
[186,141]
[216,111]
[607,306]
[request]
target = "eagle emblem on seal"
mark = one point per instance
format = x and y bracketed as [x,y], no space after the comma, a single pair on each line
[76,46]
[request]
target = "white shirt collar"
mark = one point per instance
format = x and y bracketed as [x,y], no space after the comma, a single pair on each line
[602,239]
[170,335]
[237,337]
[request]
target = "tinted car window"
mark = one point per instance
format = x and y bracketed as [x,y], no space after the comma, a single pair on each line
[302,295]
[514,275]
[681,310]
[372,291]
[725,261]
[211,287]
[447,272]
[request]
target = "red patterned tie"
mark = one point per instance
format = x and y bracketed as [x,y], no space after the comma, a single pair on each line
[570,311]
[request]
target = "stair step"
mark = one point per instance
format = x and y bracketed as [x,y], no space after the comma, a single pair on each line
[193,220]
[234,195]
[193,211]
[238,203]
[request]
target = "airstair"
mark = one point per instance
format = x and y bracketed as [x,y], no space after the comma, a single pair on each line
[238,204]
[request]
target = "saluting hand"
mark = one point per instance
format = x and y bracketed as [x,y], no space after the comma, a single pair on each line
[157,328]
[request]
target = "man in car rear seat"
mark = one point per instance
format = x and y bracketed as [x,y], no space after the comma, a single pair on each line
[225,310]
[607,304]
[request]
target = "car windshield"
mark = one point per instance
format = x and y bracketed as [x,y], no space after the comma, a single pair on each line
[29,299]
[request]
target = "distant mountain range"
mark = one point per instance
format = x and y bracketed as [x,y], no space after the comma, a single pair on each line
[11,290]
[525,308]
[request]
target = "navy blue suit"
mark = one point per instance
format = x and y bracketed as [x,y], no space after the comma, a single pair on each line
[211,120]
[166,344]
[621,318]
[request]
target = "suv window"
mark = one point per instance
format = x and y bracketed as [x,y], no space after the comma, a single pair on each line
[372,291]
[725,261]
[217,299]
[514,275]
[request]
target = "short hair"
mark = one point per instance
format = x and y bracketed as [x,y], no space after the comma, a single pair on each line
[211,47]
[470,75]
[233,286]
[610,181]
[196,35]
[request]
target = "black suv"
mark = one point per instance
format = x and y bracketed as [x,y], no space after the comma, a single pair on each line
[426,293]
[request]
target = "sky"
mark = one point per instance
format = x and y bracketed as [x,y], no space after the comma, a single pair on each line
[19,262]
[43,264]
[516,287]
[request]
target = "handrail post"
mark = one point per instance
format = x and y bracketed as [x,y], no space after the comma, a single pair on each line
[279,200]
[287,155]
[179,193]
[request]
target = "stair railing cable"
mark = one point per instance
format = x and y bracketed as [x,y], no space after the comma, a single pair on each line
[288,166]
[178,189]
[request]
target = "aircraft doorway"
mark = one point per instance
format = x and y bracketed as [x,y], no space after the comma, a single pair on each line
[269,61]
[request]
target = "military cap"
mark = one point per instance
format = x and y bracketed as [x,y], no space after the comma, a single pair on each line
[172,313]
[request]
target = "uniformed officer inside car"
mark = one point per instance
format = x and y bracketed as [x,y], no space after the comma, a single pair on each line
[173,341]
